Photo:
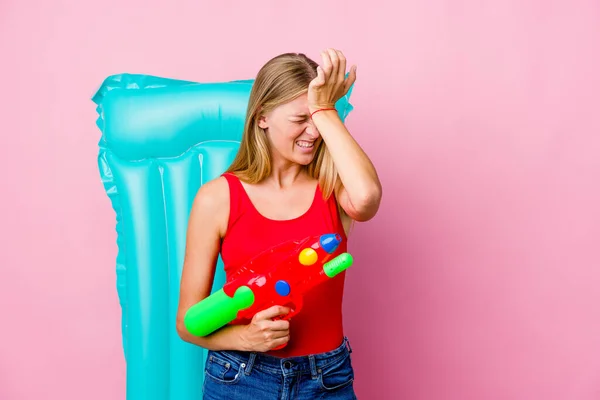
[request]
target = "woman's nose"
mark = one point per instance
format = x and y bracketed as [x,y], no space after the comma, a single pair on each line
[312,130]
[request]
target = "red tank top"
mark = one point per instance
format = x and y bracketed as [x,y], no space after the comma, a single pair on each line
[317,327]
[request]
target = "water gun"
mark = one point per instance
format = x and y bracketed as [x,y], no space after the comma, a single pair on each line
[281,275]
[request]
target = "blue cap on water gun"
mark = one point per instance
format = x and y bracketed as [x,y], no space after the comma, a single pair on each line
[330,242]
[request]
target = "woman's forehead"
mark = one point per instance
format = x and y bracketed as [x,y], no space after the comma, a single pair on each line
[298,106]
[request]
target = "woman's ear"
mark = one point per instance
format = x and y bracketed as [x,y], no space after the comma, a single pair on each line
[262,122]
[262,118]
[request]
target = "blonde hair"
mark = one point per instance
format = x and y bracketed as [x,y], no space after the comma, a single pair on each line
[280,80]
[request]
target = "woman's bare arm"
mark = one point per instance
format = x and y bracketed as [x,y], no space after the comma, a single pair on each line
[361,193]
[207,222]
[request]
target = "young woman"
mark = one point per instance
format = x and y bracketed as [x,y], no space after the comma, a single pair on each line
[298,173]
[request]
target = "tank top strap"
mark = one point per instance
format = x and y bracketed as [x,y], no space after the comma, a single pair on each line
[238,199]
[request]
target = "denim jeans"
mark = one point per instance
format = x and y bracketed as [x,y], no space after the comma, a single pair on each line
[232,375]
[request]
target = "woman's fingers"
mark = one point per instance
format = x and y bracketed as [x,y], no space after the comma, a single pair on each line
[280,325]
[335,64]
[331,82]
[334,68]
[351,79]
[282,340]
[321,76]
[271,312]
[342,66]
[327,64]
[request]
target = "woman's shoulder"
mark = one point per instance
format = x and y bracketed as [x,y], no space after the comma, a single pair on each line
[213,192]
[212,201]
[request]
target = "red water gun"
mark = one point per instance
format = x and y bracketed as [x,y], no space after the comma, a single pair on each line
[281,275]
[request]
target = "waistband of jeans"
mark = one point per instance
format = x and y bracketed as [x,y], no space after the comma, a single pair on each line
[311,362]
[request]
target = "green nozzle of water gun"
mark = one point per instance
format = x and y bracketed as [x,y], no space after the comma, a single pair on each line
[337,265]
[216,311]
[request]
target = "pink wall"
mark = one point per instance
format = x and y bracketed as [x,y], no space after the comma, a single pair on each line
[483,272]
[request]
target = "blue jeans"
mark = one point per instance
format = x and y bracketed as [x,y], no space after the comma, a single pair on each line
[232,375]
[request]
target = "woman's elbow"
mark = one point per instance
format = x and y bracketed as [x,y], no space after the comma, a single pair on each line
[182,331]
[367,206]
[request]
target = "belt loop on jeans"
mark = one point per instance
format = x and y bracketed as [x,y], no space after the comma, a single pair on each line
[251,360]
[313,366]
[348,344]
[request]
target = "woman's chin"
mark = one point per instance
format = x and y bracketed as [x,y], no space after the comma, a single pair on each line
[304,159]
[301,157]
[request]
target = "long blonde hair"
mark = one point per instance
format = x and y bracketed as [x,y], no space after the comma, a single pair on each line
[280,80]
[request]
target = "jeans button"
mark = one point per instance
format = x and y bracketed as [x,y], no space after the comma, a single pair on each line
[287,365]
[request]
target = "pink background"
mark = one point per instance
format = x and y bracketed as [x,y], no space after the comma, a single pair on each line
[480,277]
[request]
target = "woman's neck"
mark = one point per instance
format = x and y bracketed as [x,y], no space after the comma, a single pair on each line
[284,177]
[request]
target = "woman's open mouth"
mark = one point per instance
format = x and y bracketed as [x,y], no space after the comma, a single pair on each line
[305,144]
